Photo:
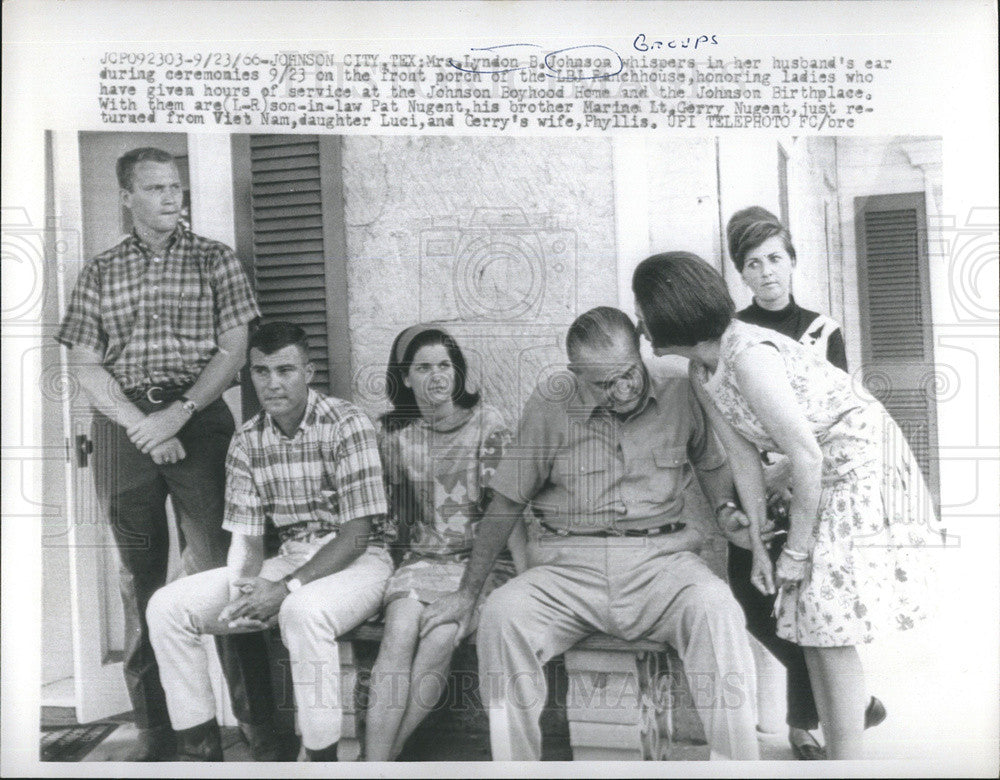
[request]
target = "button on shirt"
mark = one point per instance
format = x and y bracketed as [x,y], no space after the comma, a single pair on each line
[308,484]
[583,468]
[156,317]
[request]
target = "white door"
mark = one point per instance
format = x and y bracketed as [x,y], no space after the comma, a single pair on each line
[95,608]
[84,163]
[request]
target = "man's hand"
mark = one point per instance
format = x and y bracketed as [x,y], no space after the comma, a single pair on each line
[762,572]
[171,451]
[157,427]
[735,526]
[455,607]
[260,602]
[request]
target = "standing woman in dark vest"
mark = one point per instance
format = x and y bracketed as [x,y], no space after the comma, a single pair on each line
[761,248]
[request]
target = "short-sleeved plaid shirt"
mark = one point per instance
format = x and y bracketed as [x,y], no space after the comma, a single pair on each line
[156,318]
[327,474]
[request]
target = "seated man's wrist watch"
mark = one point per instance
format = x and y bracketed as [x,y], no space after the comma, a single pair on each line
[188,405]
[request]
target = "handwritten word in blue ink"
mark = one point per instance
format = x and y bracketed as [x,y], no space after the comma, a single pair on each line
[641,43]
[573,63]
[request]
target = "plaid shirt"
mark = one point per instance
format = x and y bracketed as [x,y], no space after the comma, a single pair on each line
[156,318]
[308,484]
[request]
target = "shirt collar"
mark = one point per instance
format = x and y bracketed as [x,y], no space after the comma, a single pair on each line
[590,407]
[308,419]
[181,230]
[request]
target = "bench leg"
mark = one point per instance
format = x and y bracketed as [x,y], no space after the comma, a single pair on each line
[618,705]
[352,724]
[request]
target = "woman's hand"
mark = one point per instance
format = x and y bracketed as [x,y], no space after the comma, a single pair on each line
[762,573]
[790,571]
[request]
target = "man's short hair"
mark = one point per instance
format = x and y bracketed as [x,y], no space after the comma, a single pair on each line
[748,228]
[601,328]
[683,299]
[125,167]
[272,336]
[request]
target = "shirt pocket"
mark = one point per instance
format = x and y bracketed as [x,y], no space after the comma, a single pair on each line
[589,481]
[667,474]
[191,312]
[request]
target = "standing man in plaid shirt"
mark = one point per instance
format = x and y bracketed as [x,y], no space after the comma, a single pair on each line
[309,466]
[156,330]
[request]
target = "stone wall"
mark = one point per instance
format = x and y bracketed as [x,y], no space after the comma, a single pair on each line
[506,240]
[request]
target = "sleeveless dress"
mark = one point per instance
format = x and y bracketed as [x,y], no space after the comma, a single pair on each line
[868,570]
[437,476]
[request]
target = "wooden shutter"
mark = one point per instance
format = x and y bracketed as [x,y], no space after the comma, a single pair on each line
[897,338]
[290,223]
[289,269]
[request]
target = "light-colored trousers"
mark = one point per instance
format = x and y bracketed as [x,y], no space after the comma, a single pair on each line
[311,619]
[630,588]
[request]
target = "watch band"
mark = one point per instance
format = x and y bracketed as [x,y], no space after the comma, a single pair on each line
[188,405]
[728,503]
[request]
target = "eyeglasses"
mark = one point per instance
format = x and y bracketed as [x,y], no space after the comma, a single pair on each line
[627,375]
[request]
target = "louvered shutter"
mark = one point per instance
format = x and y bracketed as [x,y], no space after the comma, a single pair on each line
[896,321]
[895,318]
[287,214]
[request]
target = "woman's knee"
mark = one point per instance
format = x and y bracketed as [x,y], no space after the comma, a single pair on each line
[399,638]
[439,645]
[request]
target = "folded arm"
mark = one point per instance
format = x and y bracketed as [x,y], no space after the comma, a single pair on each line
[215,377]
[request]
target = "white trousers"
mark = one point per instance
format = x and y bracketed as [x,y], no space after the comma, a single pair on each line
[311,619]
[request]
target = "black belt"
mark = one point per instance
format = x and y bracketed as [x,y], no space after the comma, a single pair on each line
[157,394]
[607,533]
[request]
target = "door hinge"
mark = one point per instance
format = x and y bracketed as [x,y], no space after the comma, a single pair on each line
[84,446]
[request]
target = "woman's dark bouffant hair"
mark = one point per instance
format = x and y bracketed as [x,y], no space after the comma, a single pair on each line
[748,228]
[404,403]
[683,299]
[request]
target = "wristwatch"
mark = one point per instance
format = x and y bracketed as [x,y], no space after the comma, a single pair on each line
[188,405]
[293,584]
[728,503]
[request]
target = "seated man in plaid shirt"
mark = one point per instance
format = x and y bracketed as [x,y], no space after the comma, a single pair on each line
[309,465]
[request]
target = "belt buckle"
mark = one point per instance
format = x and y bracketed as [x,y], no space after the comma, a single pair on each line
[149,394]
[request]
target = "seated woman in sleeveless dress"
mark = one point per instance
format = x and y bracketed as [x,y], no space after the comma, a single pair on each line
[854,561]
[440,445]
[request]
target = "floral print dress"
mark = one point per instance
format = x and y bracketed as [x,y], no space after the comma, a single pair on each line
[868,570]
[437,478]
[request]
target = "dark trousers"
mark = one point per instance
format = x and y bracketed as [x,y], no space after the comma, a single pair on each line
[762,624]
[133,491]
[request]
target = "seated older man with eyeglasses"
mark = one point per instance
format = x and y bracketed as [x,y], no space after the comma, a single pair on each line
[603,468]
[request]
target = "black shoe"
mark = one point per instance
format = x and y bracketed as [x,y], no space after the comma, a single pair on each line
[268,744]
[323,754]
[874,713]
[808,751]
[200,743]
[155,744]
